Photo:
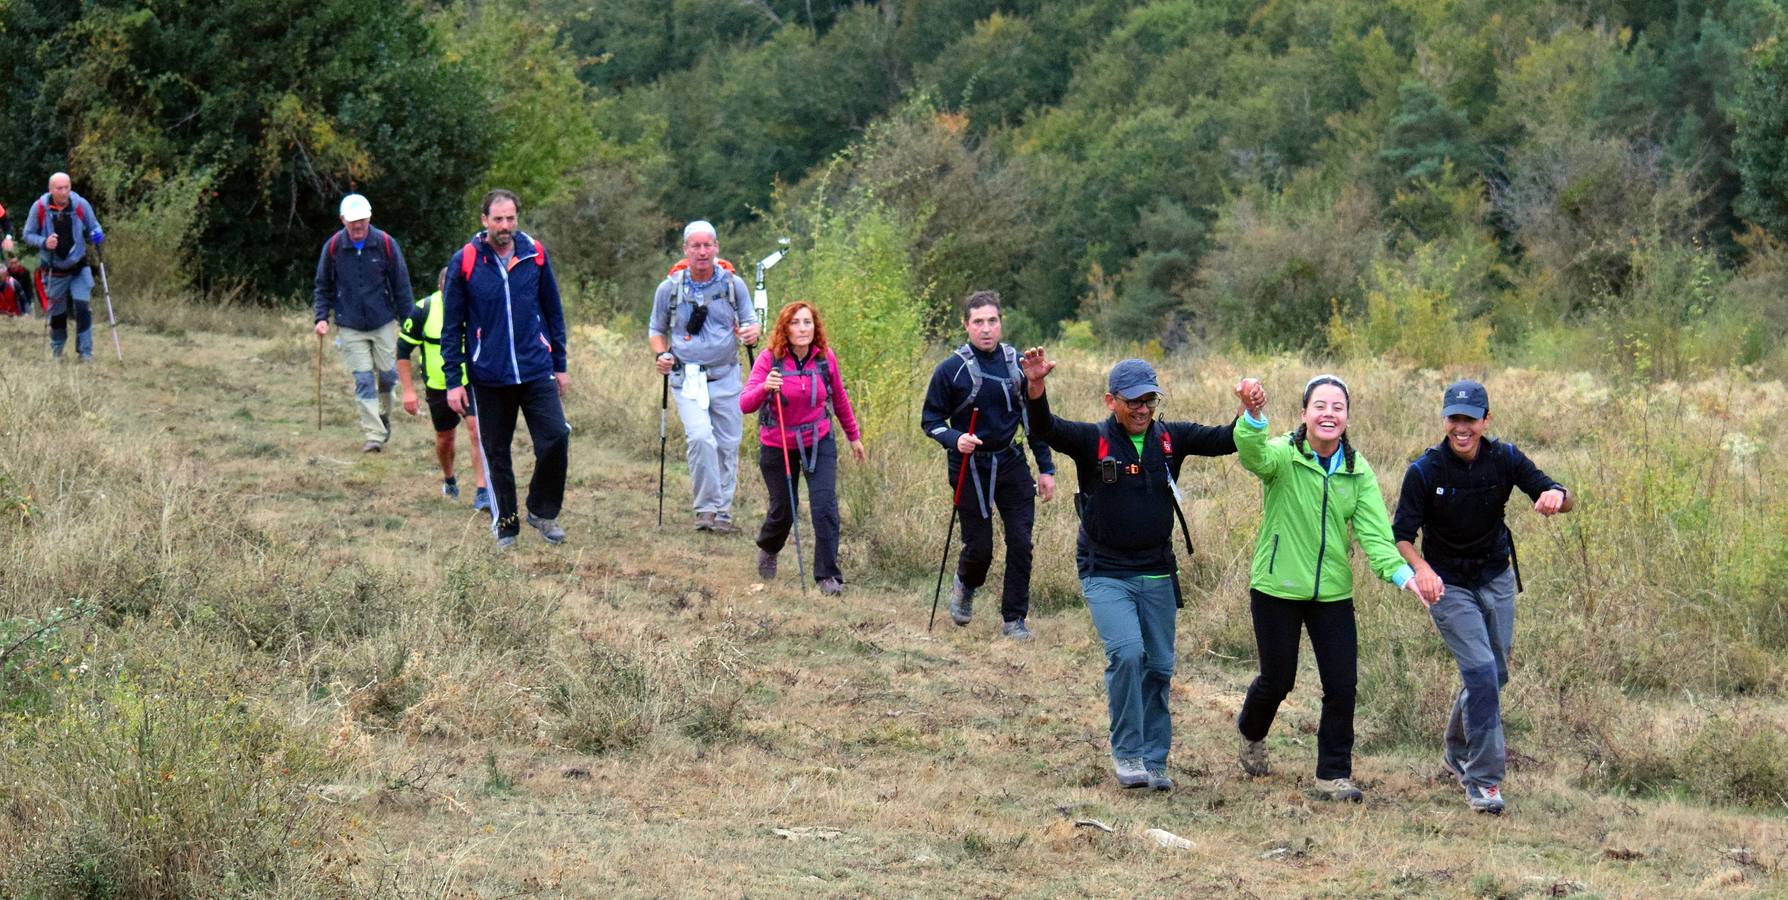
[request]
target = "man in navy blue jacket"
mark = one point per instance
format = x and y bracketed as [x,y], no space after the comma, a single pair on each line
[361,277]
[502,307]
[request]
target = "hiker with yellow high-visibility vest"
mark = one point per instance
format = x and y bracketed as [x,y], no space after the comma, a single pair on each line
[422,328]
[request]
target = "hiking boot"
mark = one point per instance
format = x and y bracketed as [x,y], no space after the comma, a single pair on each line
[1339,789]
[704,521]
[505,541]
[1015,630]
[1158,780]
[766,564]
[1130,773]
[1485,798]
[724,525]
[450,488]
[1252,755]
[372,447]
[831,587]
[549,529]
[962,602]
[481,499]
[1452,766]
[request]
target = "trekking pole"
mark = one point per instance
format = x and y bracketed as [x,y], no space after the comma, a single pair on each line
[107,288]
[950,530]
[760,299]
[319,382]
[664,399]
[788,475]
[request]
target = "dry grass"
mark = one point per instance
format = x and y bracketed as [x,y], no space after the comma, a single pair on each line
[633,714]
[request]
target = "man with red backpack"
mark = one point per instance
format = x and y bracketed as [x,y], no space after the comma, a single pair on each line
[503,323]
[362,278]
[61,225]
[700,313]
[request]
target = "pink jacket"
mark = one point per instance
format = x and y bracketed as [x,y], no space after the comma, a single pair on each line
[803,402]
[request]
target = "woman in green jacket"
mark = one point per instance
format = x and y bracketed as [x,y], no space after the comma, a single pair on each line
[1317,487]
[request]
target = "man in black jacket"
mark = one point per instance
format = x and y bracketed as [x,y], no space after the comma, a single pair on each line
[1454,494]
[980,384]
[361,277]
[1128,466]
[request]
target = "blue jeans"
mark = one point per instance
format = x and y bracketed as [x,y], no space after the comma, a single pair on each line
[1135,620]
[1478,625]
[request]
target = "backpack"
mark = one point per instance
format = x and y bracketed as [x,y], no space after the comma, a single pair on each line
[1174,498]
[767,412]
[699,316]
[1505,462]
[966,353]
[468,257]
[337,237]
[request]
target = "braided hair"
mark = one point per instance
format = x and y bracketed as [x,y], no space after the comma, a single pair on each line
[1298,437]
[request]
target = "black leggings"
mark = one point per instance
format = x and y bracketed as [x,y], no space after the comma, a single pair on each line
[1335,641]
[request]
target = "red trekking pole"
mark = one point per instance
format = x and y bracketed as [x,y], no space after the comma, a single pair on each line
[788,475]
[951,530]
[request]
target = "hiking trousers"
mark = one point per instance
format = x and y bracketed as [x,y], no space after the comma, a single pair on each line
[1335,641]
[496,407]
[1478,625]
[712,435]
[1015,497]
[1135,620]
[83,316]
[822,497]
[371,357]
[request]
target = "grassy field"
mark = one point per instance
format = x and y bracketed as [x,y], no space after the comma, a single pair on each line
[242,659]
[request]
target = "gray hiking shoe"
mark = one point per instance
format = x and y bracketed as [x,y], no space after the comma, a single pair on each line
[723,525]
[549,529]
[505,541]
[962,602]
[1339,789]
[831,587]
[704,521]
[1015,630]
[1131,773]
[766,564]
[1158,780]
[1252,755]
[1485,798]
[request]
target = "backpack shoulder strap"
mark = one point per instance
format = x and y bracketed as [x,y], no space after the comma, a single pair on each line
[42,212]
[389,253]
[974,369]
[468,257]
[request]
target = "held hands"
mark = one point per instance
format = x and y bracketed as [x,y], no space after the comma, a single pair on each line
[1426,585]
[1550,503]
[773,381]
[1252,395]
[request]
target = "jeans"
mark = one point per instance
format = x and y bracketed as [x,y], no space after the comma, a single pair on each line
[1335,641]
[496,407]
[822,495]
[371,357]
[1135,620]
[1478,625]
[1015,497]
[712,435]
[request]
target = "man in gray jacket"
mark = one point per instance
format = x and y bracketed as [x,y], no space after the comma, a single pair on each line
[361,277]
[700,313]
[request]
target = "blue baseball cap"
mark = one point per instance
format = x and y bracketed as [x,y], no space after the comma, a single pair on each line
[1465,398]
[1131,378]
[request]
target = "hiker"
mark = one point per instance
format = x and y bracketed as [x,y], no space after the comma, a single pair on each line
[1317,486]
[800,368]
[361,277]
[501,291]
[1128,466]
[61,226]
[16,293]
[701,311]
[422,328]
[981,380]
[1454,495]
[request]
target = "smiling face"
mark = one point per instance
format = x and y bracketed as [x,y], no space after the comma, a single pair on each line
[983,323]
[1466,434]
[1134,415]
[1325,417]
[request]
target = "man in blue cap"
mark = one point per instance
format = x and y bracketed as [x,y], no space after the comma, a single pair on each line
[1468,574]
[1128,467]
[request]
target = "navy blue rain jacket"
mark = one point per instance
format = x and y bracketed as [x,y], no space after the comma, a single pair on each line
[511,324]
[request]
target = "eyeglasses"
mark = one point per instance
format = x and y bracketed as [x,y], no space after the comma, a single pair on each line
[1152,401]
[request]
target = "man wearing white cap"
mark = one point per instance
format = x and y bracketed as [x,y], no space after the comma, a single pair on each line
[361,277]
[700,313]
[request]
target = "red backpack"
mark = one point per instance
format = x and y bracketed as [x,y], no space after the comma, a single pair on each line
[468,257]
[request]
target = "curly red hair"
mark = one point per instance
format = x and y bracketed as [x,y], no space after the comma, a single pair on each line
[779,333]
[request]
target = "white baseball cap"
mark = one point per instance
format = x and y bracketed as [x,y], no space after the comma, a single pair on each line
[355,207]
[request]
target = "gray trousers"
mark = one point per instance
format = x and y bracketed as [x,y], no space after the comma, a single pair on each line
[1478,625]
[713,438]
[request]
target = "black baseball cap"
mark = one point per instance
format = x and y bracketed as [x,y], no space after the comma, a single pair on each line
[1465,398]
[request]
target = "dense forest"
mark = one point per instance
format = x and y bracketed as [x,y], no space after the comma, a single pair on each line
[1432,181]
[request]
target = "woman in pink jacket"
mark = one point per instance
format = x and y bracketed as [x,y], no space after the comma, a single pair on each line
[802,370]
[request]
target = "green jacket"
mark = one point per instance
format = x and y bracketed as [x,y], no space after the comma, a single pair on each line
[1302,552]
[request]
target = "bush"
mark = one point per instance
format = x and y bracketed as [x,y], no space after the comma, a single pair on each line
[1411,316]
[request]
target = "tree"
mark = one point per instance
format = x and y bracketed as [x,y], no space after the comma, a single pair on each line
[1760,143]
